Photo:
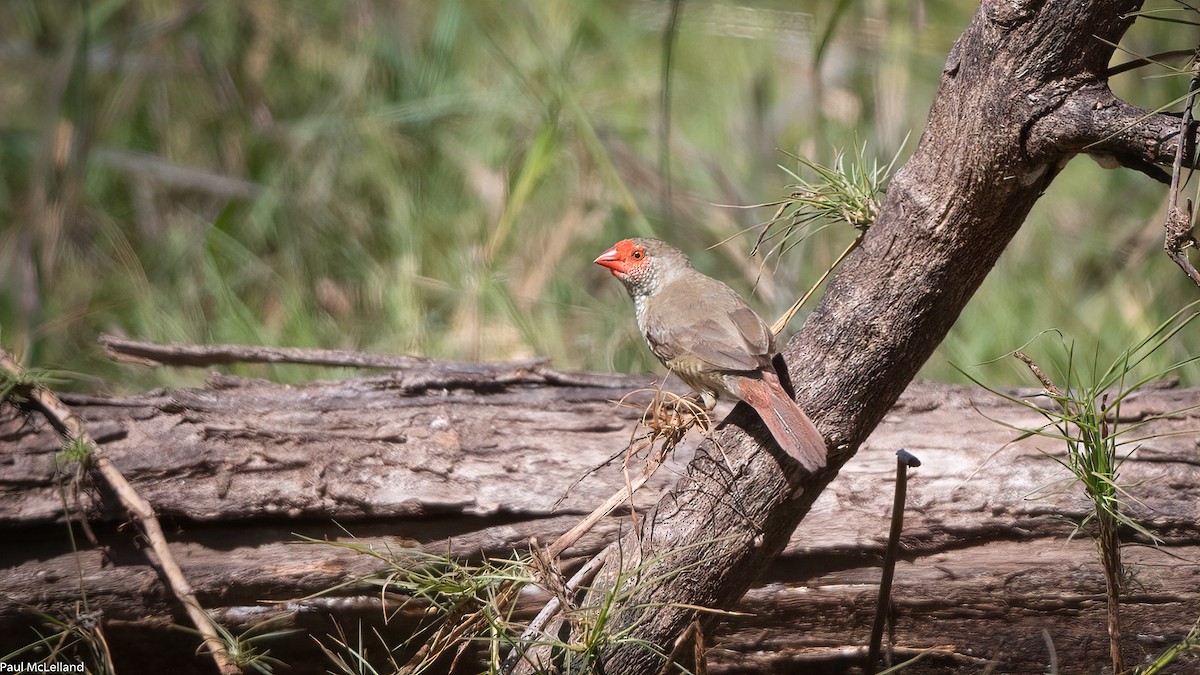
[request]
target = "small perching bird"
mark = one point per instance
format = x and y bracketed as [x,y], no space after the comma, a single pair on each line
[704,333]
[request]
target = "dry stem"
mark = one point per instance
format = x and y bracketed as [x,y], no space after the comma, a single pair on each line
[71,427]
[153,354]
[782,322]
[1178,225]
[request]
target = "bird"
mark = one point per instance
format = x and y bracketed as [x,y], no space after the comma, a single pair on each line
[703,331]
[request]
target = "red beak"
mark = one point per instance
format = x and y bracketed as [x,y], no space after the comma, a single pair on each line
[611,259]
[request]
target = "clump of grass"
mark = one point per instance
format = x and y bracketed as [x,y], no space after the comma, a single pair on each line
[1083,422]
[246,649]
[78,637]
[1085,416]
[465,608]
[845,192]
[457,603]
[76,451]
[14,383]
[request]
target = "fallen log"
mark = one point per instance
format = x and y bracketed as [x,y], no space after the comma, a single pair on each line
[474,461]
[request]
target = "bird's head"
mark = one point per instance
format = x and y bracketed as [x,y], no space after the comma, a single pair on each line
[643,265]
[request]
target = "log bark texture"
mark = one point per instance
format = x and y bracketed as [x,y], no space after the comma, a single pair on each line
[237,471]
[1023,90]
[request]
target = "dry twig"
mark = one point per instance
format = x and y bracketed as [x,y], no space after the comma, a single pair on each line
[1178,225]
[782,322]
[153,354]
[71,427]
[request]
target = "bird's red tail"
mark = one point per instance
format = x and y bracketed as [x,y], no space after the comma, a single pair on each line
[792,429]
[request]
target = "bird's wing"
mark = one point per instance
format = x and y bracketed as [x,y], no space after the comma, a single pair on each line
[705,320]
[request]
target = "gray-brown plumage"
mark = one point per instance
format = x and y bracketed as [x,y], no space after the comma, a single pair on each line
[705,333]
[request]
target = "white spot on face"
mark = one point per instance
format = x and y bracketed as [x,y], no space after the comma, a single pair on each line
[439,424]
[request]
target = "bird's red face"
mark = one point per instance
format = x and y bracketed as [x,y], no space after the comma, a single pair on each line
[625,259]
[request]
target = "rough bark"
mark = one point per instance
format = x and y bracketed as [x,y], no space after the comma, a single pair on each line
[238,470]
[1022,91]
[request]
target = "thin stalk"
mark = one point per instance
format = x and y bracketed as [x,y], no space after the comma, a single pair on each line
[904,459]
[1110,555]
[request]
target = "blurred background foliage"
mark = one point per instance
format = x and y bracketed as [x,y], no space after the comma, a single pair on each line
[435,177]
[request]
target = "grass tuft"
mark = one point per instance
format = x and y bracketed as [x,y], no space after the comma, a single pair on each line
[467,610]
[1084,413]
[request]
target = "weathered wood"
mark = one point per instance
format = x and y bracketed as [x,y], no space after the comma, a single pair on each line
[34,398]
[237,470]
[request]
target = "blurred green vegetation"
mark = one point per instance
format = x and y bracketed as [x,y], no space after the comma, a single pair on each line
[435,177]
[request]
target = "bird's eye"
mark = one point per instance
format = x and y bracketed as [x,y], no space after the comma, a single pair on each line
[638,254]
